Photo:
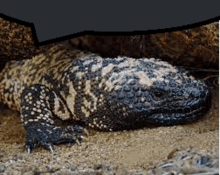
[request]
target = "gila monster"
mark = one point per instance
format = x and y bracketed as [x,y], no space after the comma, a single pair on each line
[61,92]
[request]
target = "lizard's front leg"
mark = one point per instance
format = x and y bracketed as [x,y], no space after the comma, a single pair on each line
[41,111]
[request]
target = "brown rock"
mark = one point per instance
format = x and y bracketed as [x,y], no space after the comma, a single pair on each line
[16,41]
[198,46]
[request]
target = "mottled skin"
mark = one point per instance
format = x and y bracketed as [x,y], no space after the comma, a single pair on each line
[61,91]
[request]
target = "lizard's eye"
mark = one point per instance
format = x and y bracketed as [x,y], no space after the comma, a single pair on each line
[158,93]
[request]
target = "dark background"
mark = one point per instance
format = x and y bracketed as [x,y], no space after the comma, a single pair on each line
[55,19]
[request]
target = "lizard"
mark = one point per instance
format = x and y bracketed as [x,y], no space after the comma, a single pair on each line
[61,92]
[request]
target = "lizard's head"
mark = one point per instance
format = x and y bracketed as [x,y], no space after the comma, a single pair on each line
[157,93]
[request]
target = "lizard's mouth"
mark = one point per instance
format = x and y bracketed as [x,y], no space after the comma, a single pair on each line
[164,118]
[177,118]
[173,113]
[181,115]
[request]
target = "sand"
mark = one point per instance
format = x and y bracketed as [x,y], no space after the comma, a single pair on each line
[126,150]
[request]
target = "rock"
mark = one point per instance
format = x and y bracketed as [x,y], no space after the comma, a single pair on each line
[198,46]
[16,42]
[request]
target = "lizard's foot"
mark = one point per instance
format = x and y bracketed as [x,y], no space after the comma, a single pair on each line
[47,136]
[47,119]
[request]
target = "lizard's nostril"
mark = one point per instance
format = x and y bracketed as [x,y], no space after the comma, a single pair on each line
[202,94]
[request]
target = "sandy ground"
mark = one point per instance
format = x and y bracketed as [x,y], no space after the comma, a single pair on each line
[139,149]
